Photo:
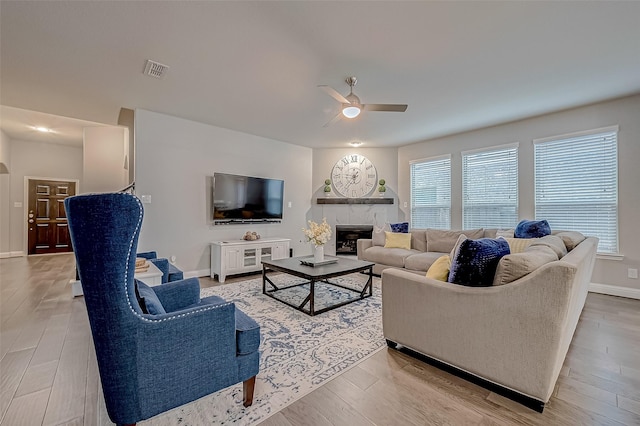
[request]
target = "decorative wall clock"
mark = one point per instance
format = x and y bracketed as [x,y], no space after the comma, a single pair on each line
[354,176]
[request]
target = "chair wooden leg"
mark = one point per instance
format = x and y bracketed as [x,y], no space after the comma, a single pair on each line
[247,391]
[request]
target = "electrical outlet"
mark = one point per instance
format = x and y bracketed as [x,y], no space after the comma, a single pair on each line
[405,204]
[632,273]
[146,199]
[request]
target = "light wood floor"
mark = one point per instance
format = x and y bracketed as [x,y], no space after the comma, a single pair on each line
[48,371]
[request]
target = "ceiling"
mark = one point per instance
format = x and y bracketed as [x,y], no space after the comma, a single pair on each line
[20,124]
[255,66]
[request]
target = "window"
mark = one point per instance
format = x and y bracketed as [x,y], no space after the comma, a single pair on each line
[576,184]
[431,193]
[490,188]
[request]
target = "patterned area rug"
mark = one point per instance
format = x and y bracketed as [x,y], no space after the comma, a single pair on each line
[299,353]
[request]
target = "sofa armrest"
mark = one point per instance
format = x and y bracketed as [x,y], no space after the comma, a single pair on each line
[147,254]
[362,245]
[177,295]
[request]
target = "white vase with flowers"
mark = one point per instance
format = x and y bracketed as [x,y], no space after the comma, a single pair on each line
[318,234]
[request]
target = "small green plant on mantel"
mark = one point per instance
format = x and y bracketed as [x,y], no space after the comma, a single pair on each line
[382,188]
[327,186]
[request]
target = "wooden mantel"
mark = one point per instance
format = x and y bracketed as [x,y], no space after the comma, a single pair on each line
[332,200]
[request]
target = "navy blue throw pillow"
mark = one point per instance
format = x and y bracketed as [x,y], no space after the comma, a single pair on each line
[475,262]
[148,300]
[532,229]
[400,227]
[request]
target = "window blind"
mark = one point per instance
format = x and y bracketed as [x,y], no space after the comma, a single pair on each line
[576,184]
[431,193]
[490,188]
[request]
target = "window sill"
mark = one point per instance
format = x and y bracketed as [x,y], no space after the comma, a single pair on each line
[610,256]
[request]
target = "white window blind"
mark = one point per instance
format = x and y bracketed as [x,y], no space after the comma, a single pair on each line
[490,188]
[431,193]
[576,184]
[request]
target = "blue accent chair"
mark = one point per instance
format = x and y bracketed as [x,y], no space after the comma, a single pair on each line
[169,271]
[152,363]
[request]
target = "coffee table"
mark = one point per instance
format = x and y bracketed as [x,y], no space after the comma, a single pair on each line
[314,274]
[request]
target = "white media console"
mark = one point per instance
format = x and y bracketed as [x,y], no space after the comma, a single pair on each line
[240,256]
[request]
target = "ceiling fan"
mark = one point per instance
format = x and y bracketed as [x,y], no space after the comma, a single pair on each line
[351,106]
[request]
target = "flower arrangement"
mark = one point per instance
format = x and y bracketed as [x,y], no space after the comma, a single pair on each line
[318,234]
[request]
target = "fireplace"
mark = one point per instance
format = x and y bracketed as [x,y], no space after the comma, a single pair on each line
[348,235]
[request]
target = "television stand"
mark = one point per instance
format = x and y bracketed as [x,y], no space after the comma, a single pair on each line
[240,256]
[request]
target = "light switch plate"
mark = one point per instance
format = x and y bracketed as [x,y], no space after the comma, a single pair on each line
[146,199]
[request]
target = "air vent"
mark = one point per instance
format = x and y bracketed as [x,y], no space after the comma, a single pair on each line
[155,69]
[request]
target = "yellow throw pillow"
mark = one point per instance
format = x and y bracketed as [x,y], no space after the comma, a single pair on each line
[518,245]
[397,240]
[439,270]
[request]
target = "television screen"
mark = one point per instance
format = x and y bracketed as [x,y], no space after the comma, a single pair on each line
[246,199]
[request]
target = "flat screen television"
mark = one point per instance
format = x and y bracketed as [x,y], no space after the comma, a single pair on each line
[242,199]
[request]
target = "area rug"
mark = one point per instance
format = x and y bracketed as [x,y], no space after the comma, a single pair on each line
[299,353]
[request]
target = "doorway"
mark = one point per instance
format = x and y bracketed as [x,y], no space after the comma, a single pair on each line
[47,228]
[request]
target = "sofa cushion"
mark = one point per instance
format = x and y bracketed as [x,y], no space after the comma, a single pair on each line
[518,245]
[398,240]
[378,237]
[475,261]
[385,256]
[506,233]
[552,241]
[399,227]
[442,241]
[570,238]
[459,241]
[439,270]
[418,239]
[532,229]
[148,300]
[515,266]
[421,261]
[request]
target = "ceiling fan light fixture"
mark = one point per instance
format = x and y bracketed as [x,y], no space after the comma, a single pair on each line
[351,111]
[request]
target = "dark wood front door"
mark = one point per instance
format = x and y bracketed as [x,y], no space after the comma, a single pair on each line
[47,218]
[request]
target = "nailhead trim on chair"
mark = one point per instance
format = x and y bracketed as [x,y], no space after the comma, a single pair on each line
[126,273]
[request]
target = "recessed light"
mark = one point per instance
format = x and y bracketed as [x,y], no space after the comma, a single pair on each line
[355,143]
[42,129]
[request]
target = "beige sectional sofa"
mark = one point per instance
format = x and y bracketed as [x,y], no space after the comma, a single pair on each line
[513,336]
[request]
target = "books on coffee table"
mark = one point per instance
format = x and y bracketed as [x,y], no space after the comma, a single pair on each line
[309,261]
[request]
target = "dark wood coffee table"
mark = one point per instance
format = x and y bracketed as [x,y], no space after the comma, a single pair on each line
[313,275]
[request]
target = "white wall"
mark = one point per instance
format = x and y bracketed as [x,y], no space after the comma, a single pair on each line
[37,159]
[104,151]
[5,209]
[174,160]
[624,112]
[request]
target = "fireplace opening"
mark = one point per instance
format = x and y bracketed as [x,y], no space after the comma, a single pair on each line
[348,235]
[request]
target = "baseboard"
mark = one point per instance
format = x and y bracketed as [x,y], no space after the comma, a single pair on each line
[9,254]
[198,273]
[614,290]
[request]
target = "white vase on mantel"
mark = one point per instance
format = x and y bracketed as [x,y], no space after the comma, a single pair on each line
[318,254]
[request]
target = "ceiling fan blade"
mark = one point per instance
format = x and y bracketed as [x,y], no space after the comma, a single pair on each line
[333,120]
[385,107]
[334,94]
